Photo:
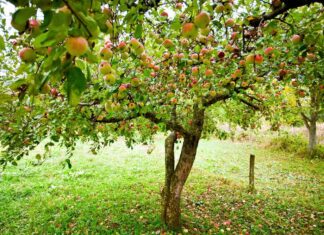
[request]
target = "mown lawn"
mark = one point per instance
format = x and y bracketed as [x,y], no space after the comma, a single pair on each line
[117,192]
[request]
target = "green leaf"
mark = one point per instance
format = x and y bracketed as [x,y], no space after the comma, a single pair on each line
[2,43]
[138,31]
[21,16]
[91,24]
[76,84]
[68,162]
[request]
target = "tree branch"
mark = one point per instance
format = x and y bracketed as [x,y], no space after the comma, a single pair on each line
[255,107]
[171,125]
[288,5]
[77,16]
[209,102]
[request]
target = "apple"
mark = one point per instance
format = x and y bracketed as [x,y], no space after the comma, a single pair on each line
[194,56]
[182,77]
[104,68]
[132,105]
[168,43]
[174,101]
[221,54]
[268,51]
[184,42]
[212,93]
[301,93]
[242,63]
[33,24]
[282,72]
[106,53]
[164,14]
[122,88]
[122,45]
[194,70]
[301,59]
[228,6]
[202,20]
[276,3]
[124,55]
[295,38]
[249,59]
[134,43]
[219,8]
[229,22]
[282,65]
[189,30]
[204,51]
[110,78]
[166,55]
[179,6]
[76,46]
[244,84]
[209,72]
[170,95]
[27,55]
[294,82]
[54,92]
[237,73]
[234,35]
[135,81]
[311,56]
[258,59]
[156,68]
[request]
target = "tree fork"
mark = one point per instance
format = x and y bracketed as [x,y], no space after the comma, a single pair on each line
[171,196]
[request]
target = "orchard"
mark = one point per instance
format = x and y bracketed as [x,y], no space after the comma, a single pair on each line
[94,71]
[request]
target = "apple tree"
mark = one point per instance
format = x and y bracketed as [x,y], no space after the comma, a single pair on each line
[96,70]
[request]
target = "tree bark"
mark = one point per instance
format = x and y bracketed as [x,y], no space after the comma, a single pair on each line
[176,177]
[171,194]
[169,170]
[312,136]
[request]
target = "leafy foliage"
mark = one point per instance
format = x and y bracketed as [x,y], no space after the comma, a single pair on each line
[149,69]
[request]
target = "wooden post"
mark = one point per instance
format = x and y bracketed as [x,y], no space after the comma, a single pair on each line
[251,173]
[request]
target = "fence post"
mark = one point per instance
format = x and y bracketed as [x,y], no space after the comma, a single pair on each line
[251,173]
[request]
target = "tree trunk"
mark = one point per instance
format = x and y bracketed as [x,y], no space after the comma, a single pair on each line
[169,170]
[174,182]
[312,136]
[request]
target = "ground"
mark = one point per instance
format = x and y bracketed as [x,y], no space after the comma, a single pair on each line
[117,192]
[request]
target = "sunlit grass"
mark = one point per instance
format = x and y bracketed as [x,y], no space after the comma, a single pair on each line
[117,191]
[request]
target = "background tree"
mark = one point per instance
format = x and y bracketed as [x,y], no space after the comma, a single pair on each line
[94,71]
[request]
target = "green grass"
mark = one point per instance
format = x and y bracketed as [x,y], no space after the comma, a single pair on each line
[117,192]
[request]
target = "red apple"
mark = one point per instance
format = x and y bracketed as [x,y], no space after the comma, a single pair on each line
[189,30]
[295,38]
[202,20]
[76,46]
[27,55]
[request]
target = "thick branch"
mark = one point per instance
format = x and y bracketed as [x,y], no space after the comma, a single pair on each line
[305,119]
[150,116]
[255,107]
[209,102]
[288,5]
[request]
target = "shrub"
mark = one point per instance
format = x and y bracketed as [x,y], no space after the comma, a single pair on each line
[296,144]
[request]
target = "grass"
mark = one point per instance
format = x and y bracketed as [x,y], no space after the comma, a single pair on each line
[117,192]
